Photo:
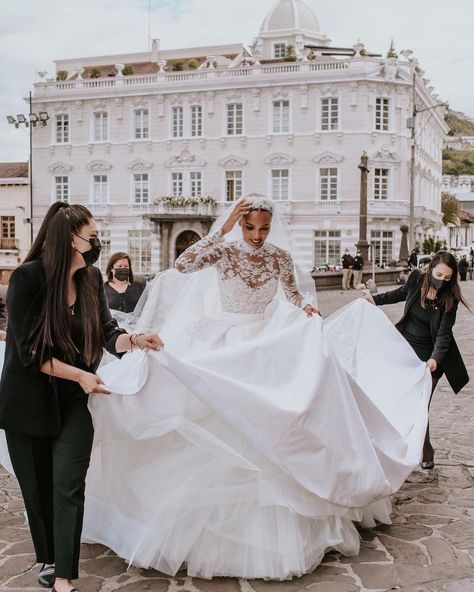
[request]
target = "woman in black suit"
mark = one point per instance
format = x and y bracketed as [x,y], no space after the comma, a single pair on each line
[432,298]
[58,324]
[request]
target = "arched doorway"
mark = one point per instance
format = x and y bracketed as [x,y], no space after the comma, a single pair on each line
[184,240]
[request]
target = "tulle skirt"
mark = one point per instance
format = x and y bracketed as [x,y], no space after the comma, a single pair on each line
[252,443]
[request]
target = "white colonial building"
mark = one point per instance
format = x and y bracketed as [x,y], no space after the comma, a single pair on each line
[288,115]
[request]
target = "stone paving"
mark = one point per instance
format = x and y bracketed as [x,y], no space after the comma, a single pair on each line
[429,547]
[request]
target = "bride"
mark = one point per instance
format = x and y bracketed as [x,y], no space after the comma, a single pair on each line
[251,444]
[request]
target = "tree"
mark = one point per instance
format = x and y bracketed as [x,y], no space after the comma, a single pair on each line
[430,245]
[450,208]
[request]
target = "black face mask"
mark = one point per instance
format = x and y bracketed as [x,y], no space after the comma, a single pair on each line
[122,274]
[91,256]
[438,284]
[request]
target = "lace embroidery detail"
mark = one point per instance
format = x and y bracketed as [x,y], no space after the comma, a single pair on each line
[248,277]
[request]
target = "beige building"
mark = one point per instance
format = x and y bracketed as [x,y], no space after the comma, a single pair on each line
[14,208]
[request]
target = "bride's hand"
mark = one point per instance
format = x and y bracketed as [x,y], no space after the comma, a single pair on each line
[91,384]
[310,310]
[239,210]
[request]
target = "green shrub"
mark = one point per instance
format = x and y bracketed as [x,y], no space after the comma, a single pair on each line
[178,66]
[127,70]
[61,75]
[94,73]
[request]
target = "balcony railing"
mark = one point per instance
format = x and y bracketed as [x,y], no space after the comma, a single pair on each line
[164,78]
[9,244]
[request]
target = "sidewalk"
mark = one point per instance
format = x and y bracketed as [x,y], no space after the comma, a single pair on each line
[429,547]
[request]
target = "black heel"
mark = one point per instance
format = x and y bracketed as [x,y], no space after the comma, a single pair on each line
[46,576]
[428,464]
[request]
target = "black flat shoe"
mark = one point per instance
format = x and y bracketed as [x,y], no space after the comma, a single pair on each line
[428,464]
[46,576]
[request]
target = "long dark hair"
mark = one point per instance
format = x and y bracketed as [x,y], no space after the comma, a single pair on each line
[52,328]
[451,295]
[113,260]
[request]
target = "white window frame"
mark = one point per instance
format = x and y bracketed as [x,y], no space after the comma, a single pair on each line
[104,137]
[105,252]
[324,234]
[376,115]
[374,183]
[176,179]
[195,183]
[380,240]
[274,45]
[104,196]
[320,184]
[234,119]
[144,133]
[276,130]
[64,117]
[271,192]
[144,188]
[143,237]
[177,121]
[330,102]
[192,121]
[54,193]
[234,171]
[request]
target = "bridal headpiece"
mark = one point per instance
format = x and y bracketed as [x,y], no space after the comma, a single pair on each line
[259,201]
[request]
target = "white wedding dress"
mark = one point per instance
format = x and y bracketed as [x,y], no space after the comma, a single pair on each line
[251,444]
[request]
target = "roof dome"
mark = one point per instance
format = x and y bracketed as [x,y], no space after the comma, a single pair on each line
[290,15]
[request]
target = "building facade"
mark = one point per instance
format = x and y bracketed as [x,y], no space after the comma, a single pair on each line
[150,140]
[14,222]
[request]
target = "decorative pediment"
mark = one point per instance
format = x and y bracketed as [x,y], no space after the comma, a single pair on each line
[140,102]
[232,161]
[140,165]
[98,166]
[60,168]
[384,156]
[185,159]
[99,105]
[279,158]
[328,157]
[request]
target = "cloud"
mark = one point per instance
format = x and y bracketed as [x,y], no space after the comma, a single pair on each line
[33,34]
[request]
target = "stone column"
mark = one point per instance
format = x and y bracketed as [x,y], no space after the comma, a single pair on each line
[362,244]
[403,256]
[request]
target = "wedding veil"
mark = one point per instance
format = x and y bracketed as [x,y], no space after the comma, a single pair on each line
[174,299]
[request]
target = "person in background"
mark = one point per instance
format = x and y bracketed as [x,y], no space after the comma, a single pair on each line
[122,290]
[431,301]
[413,259]
[347,267]
[358,269]
[463,267]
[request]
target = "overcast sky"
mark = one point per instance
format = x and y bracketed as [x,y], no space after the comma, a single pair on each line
[34,33]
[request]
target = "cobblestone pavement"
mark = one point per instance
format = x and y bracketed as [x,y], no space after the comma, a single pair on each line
[429,547]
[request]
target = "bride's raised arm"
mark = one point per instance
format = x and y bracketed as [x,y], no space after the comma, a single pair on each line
[208,250]
[204,253]
[289,284]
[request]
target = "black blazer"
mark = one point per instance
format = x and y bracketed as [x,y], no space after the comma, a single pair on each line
[28,397]
[445,350]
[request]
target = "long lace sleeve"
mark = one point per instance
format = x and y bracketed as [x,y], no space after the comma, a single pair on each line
[288,280]
[204,253]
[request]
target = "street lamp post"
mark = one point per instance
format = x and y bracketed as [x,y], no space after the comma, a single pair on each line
[30,122]
[411,125]
[363,244]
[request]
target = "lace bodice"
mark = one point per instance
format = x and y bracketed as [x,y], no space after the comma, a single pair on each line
[248,277]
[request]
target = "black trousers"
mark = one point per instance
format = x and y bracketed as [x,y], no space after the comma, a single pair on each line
[51,473]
